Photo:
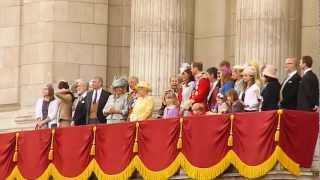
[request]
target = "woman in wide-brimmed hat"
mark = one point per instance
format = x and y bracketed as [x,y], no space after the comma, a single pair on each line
[250,96]
[270,93]
[116,108]
[144,105]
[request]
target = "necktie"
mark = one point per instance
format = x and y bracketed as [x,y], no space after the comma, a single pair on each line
[95,97]
[282,87]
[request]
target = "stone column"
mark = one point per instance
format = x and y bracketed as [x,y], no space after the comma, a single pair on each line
[267,31]
[161,39]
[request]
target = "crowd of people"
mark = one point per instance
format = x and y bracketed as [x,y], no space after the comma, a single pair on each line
[224,89]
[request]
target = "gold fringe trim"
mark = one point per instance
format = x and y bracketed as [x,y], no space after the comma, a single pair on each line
[164,174]
[50,156]
[179,143]
[181,161]
[206,173]
[15,155]
[277,134]
[93,147]
[230,138]
[136,146]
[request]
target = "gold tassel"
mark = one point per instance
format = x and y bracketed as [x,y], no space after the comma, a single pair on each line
[136,146]
[277,134]
[50,156]
[15,155]
[230,138]
[179,143]
[93,147]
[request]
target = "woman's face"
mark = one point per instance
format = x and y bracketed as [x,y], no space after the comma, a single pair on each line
[142,92]
[184,76]
[45,91]
[246,78]
[118,91]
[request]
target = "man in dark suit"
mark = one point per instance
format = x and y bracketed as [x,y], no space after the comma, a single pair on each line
[290,86]
[80,111]
[308,97]
[96,101]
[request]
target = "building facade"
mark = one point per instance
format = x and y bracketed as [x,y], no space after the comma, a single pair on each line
[48,40]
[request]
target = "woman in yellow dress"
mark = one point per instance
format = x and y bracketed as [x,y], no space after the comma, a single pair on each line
[144,106]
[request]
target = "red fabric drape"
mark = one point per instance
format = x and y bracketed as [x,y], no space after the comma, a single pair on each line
[7,145]
[114,147]
[205,139]
[72,150]
[254,136]
[298,138]
[204,144]
[33,153]
[158,143]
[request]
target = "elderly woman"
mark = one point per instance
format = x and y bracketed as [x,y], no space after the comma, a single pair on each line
[251,94]
[144,105]
[116,108]
[46,109]
[271,91]
[66,101]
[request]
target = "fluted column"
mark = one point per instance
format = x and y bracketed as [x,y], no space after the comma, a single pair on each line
[267,31]
[161,39]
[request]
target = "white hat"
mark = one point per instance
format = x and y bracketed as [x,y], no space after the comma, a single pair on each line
[184,67]
[270,71]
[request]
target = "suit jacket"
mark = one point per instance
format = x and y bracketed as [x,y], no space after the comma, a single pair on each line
[80,113]
[270,95]
[102,102]
[308,96]
[290,93]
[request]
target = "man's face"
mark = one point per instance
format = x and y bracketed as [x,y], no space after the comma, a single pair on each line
[290,65]
[96,84]
[194,70]
[302,65]
[81,88]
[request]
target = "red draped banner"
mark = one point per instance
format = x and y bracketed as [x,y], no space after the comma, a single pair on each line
[204,146]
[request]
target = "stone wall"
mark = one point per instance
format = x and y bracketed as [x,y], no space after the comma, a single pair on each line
[118,39]
[214,31]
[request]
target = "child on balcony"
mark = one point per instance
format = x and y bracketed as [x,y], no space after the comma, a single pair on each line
[171,110]
[221,106]
[198,109]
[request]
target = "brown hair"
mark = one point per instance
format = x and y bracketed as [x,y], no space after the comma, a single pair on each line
[199,107]
[307,60]
[233,94]
[225,63]
[190,76]
[63,85]
[50,91]
[198,65]
[173,97]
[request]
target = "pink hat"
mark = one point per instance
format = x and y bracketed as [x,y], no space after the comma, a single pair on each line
[270,71]
[226,71]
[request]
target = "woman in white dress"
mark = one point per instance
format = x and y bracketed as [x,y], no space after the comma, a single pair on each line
[250,96]
[46,110]
[188,86]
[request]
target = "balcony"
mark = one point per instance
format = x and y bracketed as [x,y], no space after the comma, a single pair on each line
[273,145]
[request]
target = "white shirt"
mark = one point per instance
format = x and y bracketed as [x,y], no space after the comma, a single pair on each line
[307,70]
[98,93]
[187,91]
[251,99]
[214,85]
[52,111]
[289,77]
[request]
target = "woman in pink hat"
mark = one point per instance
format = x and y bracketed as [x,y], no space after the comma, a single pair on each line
[271,90]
